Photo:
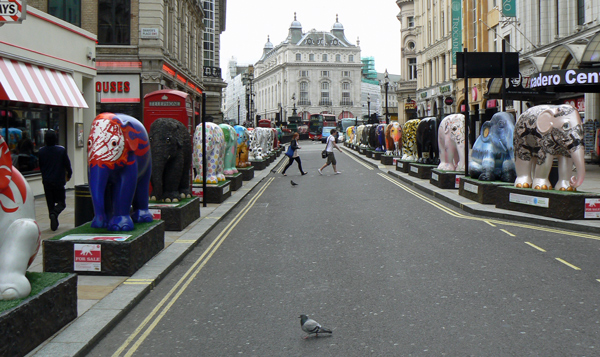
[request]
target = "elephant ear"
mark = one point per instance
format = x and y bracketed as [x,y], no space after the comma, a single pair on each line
[486,131]
[545,120]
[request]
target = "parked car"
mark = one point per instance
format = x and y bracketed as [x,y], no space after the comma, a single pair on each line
[326,132]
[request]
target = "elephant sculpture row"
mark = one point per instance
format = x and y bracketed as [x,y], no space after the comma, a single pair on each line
[386,138]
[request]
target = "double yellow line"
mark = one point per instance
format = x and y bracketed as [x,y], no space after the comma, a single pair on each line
[486,220]
[161,309]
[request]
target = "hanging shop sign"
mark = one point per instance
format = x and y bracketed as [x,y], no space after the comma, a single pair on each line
[412,105]
[118,88]
[12,11]
[509,8]
[456,28]
[449,100]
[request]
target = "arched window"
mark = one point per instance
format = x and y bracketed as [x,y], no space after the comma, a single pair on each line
[303,99]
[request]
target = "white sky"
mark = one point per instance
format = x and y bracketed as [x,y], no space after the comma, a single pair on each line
[248,24]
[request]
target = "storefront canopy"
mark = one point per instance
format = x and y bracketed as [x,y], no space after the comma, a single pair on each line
[25,82]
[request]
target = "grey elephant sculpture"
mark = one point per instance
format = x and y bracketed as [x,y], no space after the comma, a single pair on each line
[545,132]
[427,142]
[492,157]
[171,146]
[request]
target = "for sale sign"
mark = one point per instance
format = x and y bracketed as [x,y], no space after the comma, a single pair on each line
[592,208]
[12,11]
[88,257]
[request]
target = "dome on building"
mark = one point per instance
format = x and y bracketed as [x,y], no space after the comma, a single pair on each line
[337,25]
[295,24]
[268,45]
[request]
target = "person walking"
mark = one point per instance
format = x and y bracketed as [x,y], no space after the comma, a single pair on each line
[294,157]
[56,171]
[329,146]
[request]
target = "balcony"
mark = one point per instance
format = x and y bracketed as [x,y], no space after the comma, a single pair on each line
[346,102]
[304,102]
[325,102]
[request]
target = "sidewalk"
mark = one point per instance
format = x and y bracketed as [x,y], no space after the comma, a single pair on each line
[102,301]
[590,184]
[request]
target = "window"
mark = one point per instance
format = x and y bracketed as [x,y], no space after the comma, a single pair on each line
[410,45]
[303,73]
[325,100]
[324,73]
[311,57]
[303,100]
[114,22]
[345,73]
[298,57]
[346,94]
[351,58]
[324,57]
[412,68]
[580,12]
[68,10]
[411,21]
[475,23]
[338,58]
[209,33]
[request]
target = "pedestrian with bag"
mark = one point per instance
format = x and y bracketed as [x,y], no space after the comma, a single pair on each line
[329,146]
[292,153]
[56,171]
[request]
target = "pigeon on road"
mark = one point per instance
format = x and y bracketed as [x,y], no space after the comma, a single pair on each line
[310,326]
[293,183]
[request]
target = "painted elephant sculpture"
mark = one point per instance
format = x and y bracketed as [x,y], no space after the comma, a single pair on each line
[427,142]
[493,156]
[275,138]
[409,140]
[372,138]
[171,148]
[230,136]
[393,139]
[380,133]
[545,132]
[358,141]
[350,134]
[215,151]
[241,158]
[119,171]
[365,136]
[20,235]
[451,143]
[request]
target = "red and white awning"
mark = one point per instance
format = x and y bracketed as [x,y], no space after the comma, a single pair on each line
[25,82]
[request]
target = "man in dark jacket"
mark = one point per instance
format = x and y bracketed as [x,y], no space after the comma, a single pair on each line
[56,171]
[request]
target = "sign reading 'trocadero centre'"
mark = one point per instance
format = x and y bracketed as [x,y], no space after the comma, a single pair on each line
[569,77]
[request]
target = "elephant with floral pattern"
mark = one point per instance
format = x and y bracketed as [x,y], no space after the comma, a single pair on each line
[215,151]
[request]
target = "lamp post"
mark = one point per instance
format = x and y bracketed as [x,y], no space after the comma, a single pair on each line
[368,106]
[238,113]
[386,81]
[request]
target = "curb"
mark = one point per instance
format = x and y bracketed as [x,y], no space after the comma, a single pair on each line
[81,335]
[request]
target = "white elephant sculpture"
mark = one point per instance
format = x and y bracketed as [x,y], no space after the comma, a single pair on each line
[545,132]
[451,143]
[20,235]
[215,153]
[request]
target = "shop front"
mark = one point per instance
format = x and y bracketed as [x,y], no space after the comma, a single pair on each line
[46,84]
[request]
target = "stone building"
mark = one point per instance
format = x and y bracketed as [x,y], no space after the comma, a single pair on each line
[321,70]
[407,84]
[144,46]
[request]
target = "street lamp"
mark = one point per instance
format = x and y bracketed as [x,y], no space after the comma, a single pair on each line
[369,106]
[386,81]
[238,111]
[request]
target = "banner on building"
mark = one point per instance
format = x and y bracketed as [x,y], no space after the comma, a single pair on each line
[456,28]
[509,8]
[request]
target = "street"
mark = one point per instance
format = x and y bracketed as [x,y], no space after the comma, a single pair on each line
[391,271]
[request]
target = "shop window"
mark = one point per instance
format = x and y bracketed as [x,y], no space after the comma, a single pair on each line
[26,130]
[67,10]
[114,22]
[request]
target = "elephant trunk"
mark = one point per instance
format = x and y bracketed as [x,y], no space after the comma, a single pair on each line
[579,161]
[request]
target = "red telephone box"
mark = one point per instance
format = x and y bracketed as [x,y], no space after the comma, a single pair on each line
[264,123]
[169,103]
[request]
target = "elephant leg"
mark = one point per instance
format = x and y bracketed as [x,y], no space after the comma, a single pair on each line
[540,178]
[16,253]
[184,180]
[141,213]
[124,189]
[565,171]
[524,177]
[487,165]
[100,196]
[509,173]
[460,153]
[475,169]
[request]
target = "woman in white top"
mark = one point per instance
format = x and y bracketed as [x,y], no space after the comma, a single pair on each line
[329,146]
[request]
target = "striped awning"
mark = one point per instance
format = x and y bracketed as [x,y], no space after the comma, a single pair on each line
[25,82]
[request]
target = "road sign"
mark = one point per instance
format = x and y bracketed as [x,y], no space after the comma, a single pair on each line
[12,11]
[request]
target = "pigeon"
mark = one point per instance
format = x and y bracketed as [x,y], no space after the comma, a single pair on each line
[310,326]
[293,183]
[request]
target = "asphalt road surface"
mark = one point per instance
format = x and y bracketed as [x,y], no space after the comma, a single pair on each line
[392,271]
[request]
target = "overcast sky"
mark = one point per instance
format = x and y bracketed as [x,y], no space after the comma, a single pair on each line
[250,22]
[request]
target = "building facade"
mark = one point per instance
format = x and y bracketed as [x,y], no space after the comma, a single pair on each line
[407,84]
[321,70]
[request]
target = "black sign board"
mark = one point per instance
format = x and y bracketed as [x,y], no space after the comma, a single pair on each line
[449,100]
[486,64]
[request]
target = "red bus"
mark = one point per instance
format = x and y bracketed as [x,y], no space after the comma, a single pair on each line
[316,122]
